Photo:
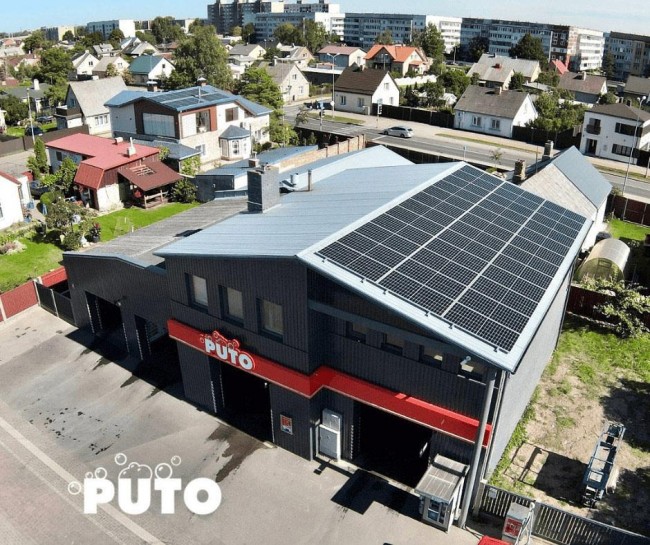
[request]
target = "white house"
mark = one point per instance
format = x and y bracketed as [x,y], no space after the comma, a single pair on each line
[150,68]
[14,194]
[83,66]
[291,81]
[342,56]
[357,90]
[615,131]
[493,111]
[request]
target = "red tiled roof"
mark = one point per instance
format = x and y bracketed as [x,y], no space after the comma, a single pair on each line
[559,66]
[150,175]
[89,175]
[399,53]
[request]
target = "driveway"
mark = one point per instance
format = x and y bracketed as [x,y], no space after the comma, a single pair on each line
[69,405]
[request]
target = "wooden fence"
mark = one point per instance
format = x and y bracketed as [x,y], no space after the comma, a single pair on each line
[556,525]
[634,211]
[583,302]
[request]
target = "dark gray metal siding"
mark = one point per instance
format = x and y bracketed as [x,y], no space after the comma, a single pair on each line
[206,185]
[520,386]
[197,380]
[296,407]
[326,399]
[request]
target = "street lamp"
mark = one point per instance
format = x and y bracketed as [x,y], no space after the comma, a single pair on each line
[333,55]
[629,160]
[31,123]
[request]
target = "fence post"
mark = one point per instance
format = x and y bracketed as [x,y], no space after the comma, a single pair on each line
[478,499]
[2,310]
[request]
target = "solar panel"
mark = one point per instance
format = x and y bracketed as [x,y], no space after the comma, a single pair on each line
[471,249]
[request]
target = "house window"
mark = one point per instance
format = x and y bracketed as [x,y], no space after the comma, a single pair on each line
[629,130]
[431,355]
[158,124]
[357,332]
[59,156]
[386,86]
[201,148]
[198,289]
[495,124]
[235,147]
[624,150]
[393,344]
[342,100]
[232,114]
[232,303]
[203,121]
[476,121]
[271,318]
[361,102]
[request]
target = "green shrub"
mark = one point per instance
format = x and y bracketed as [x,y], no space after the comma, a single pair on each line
[71,241]
[184,191]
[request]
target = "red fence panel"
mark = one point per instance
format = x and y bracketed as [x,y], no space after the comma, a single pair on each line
[54,277]
[19,299]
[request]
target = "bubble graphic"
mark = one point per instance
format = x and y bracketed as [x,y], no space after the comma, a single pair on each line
[176,460]
[120,459]
[164,471]
[89,475]
[75,488]
[100,473]
[136,471]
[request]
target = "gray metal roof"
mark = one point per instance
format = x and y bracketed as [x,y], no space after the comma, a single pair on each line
[234,133]
[441,478]
[269,157]
[484,100]
[92,95]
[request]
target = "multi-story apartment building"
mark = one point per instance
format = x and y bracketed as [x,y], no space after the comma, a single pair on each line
[449,28]
[631,54]
[361,29]
[127,26]
[266,22]
[55,34]
[585,49]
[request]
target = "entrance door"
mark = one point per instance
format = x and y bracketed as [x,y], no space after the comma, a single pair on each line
[591,146]
[247,401]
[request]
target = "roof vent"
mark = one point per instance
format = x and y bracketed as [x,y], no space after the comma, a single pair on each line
[118,140]
[130,151]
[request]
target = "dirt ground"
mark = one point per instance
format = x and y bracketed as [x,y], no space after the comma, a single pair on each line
[562,435]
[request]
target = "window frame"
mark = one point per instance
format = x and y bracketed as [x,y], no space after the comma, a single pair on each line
[193,298]
[226,307]
[265,328]
[357,332]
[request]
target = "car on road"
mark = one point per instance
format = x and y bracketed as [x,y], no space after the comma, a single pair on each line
[401,131]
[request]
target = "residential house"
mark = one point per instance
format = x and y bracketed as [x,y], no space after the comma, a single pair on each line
[254,51]
[397,58]
[495,71]
[83,66]
[357,90]
[84,105]
[112,172]
[291,81]
[104,50]
[35,96]
[196,117]
[141,48]
[14,195]
[296,54]
[558,66]
[637,88]
[342,56]
[493,111]
[150,68]
[120,65]
[569,181]
[586,88]
[615,131]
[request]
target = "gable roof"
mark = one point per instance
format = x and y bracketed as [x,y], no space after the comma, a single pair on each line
[234,133]
[280,72]
[638,86]
[622,111]
[104,62]
[484,100]
[363,82]
[244,50]
[79,59]
[145,64]
[339,50]
[489,66]
[583,83]
[8,177]
[398,53]
[92,94]
[559,66]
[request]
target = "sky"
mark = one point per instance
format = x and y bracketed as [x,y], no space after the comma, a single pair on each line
[631,16]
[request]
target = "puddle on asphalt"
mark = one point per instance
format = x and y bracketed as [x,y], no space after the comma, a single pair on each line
[240,446]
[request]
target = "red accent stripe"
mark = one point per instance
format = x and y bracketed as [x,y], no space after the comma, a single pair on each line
[412,408]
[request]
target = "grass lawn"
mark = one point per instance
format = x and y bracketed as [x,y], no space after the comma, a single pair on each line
[625,229]
[42,255]
[20,131]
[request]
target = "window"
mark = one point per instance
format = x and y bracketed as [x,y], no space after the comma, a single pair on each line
[361,102]
[203,121]
[393,344]
[476,121]
[235,147]
[158,124]
[198,288]
[201,148]
[495,124]
[342,100]
[232,114]
[232,304]
[623,150]
[431,355]
[357,332]
[386,86]
[629,130]
[59,156]
[271,318]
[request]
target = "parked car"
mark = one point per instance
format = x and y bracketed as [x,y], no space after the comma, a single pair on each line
[37,189]
[45,118]
[33,131]
[319,105]
[403,132]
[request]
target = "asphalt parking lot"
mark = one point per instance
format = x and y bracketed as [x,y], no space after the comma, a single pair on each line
[69,406]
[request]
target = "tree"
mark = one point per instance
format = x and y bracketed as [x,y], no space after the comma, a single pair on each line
[68,36]
[281,132]
[431,42]
[15,109]
[201,55]
[286,33]
[248,33]
[111,71]
[184,191]
[62,179]
[257,85]
[166,30]
[549,77]
[54,66]
[37,163]
[36,40]
[194,25]
[454,81]
[517,81]
[190,166]
[236,31]
[434,92]
[608,98]
[530,48]
[145,36]
[94,38]
[55,93]
[115,38]
[556,113]
[315,35]
[385,37]
[477,47]
[608,66]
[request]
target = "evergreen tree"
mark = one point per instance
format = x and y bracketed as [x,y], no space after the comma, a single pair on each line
[530,48]
[37,163]
[477,47]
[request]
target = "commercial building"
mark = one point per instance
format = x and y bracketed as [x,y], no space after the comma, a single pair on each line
[383,312]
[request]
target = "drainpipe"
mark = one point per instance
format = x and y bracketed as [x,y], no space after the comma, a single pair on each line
[478,447]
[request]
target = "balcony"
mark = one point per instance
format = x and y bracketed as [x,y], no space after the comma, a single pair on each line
[592,129]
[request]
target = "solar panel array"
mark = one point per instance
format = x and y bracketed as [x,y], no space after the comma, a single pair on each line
[471,249]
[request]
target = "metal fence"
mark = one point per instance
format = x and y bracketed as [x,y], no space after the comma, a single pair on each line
[556,525]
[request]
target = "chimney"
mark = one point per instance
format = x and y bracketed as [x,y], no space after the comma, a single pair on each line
[548,150]
[201,82]
[520,171]
[263,188]
[130,151]
[152,86]
[253,162]
[583,75]
[37,85]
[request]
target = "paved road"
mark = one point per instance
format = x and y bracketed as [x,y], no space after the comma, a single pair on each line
[67,409]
